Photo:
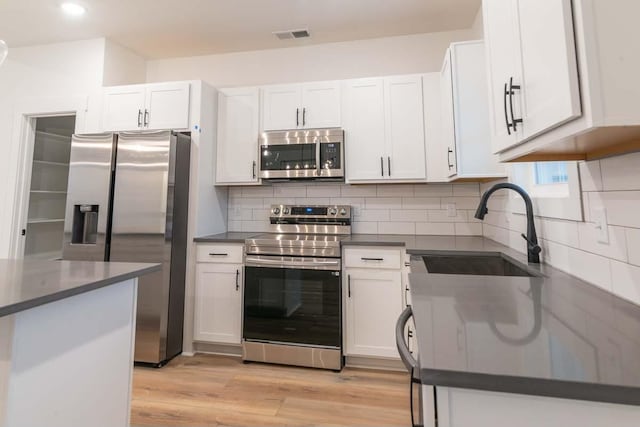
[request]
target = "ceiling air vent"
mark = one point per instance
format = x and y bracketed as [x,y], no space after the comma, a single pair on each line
[292,34]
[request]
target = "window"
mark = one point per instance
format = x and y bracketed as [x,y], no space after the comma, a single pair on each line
[554,188]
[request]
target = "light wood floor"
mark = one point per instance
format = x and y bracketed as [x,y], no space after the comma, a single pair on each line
[208,390]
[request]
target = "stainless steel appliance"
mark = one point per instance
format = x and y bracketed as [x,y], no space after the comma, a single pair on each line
[302,154]
[412,365]
[127,201]
[292,291]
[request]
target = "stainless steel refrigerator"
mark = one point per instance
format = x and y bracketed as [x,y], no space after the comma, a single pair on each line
[127,201]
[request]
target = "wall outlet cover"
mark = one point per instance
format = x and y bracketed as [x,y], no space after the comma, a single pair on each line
[451,210]
[601,225]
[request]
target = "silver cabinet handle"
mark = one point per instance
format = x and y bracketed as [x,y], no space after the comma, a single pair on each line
[381,166]
[237,283]
[449,152]
[297,117]
[389,165]
[146,117]
[139,118]
[304,116]
[349,285]
[254,169]
[372,259]
[217,254]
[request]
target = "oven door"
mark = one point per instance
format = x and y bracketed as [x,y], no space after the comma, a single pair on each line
[292,300]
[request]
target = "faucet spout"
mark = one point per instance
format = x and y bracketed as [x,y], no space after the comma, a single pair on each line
[533,249]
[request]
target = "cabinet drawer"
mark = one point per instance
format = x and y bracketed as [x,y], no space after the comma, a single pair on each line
[373,258]
[220,253]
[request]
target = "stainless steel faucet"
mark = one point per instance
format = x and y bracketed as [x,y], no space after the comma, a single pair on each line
[533,249]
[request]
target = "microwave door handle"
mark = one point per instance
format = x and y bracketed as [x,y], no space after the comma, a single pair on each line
[319,169]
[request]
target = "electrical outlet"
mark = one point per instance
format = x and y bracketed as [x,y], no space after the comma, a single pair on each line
[601,225]
[236,213]
[451,210]
[356,210]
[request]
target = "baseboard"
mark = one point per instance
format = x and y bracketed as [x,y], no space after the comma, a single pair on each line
[221,349]
[374,363]
[187,353]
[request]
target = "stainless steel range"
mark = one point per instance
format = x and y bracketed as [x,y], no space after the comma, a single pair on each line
[292,292]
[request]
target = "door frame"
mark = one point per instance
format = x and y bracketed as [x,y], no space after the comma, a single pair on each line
[27,110]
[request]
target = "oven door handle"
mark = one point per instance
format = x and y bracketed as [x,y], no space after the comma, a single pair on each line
[293,263]
[403,349]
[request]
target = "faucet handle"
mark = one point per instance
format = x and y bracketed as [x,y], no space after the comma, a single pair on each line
[533,247]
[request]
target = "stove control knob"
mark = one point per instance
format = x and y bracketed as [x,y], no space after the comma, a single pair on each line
[333,211]
[285,211]
[276,211]
[343,211]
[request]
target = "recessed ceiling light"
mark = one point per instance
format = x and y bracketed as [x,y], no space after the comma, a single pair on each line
[73,9]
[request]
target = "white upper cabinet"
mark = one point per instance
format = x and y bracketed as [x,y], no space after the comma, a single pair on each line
[465,144]
[405,128]
[384,129]
[167,106]
[238,131]
[301,106]
[146,107]
[549,82]
[364,117]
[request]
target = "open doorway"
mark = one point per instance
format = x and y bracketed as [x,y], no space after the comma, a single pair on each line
[48,187]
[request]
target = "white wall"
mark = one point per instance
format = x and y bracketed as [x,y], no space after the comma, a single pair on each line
[56,70]
[378,209]
[122,66]
[613,184]
[477,29]
[363,58]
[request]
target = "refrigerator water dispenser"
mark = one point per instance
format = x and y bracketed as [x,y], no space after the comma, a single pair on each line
[85,224]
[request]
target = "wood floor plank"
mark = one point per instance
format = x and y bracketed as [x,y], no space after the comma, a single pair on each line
[208,390]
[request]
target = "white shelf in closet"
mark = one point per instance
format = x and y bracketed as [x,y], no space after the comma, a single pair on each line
[47,163]
[44,220]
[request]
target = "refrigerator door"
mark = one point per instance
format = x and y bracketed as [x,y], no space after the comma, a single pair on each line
[143,229]
[88,194]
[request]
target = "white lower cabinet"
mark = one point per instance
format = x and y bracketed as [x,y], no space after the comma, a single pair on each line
[373,303]
[218,308]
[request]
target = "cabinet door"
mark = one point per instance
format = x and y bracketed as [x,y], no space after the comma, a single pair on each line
[503,63]
[321,105]
[448,124]
[238,130]
[123,108]
[437,170]
[167,106]
[405,142]
[281,107]
[550,89]
[374,303]
[218,311]
[363,114]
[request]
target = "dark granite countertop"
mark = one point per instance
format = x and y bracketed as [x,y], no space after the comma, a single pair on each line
[27,284]
[553,335]
[228,237]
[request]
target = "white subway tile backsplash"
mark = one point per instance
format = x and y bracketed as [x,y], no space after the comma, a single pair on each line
[433,229]
[443,216]
[289,191]
[262,226]
[633,245]
[433,190]
[358,190]
[234,225]
[382,202]
[396,228]
[615,249]
[408,215]
[372,215]
[364,227]
[461,202]
[468,229]
[351,201]
[622,206]
[267,202]
[395,190]
[313,200]
[621,172]
[564,232]
[626,281]
[590,176]
[323,191]
[261,215]
[247,203]
[421,203]
[466,189]
[257,191]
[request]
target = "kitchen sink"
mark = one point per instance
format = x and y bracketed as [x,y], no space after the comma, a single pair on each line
[480,265]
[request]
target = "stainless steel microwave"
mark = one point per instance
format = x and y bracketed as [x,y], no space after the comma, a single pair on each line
[302,154]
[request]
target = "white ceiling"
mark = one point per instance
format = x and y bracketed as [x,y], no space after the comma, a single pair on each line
[170,28]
